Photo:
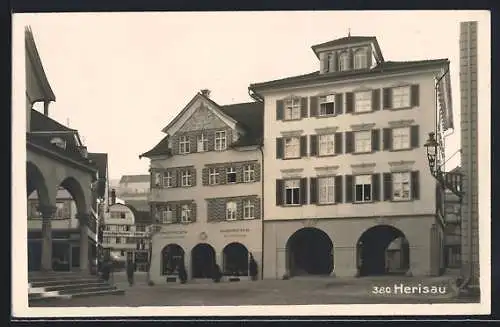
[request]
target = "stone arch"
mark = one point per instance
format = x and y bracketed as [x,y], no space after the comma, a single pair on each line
[203,261]
[382,250]
[235,259]
[309,252]
[172,256]
[74,187]
[35,181]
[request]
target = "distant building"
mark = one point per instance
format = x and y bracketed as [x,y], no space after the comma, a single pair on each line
[134,187]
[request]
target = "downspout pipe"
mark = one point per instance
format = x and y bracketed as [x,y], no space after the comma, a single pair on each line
[261,148]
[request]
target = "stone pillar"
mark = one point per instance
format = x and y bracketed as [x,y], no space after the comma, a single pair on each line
[345,261]
[84,241]
[48,212]
[420,260]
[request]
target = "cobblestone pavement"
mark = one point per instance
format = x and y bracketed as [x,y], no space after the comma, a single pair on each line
[297,291]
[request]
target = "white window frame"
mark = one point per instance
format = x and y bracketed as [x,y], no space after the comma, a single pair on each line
[360,59]
[231,210]
[344,62]
[232,171]
[158,179]
[323,101]
[294,186]
[363,181]
[213,176]
[184,145]
[292,142]
[167,215]
[362,141]
[401,138]
[248,173]
[401,186]
[363,101]
[220,141]
[185,213]
[186,178]
[248,209]
[202,143]
[326,144]
[326,190]
[401,97]
[167,179]
[291,106]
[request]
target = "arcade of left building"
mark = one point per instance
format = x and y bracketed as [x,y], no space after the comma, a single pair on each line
[66,185]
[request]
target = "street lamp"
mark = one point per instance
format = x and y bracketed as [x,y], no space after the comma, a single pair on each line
[432,147]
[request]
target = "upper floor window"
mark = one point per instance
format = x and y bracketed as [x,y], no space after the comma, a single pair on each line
[344,61]
[220,141]
[59,142]
[62,211]
[326,144]
[185,178]
[248,209]
[360,59]
[185,213]
[401,190]
[327,105]
[326,188]
[292,191]
[363,188]
[213,176]
[231,210]
[292,147]
[202,143]
[248,173]
[401,138]
[401,97]
[363,101]
[292,109]
[362,141]
[184,145]
[231,175]
[167,179]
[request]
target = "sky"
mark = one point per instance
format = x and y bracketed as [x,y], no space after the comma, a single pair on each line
[119,78]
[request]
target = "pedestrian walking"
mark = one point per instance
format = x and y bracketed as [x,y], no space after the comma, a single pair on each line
[130,272]
[253,268]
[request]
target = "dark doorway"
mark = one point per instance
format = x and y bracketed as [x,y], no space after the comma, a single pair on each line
[383,250]
[34,255]
[75,256]
[235,259]
[172,256]
[202,261]
[310,252]
[60,256]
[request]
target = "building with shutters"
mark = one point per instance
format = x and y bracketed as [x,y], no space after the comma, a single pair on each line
[348,191]
[206,190]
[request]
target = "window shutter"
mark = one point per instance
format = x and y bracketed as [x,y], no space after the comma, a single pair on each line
[204,176]
[349,102]
[178,211]
[387,186]
[280,184]
[313,139]
[415,95]
[303,190]
[193,176]
[313,106]
[179,178]
[376,187]
[387,98]
[332,65]
[338,143]
[193,211]
[387,138]
[349,186]
[369,56]
[279,109]
[349,142]
[339,105]
[414,136]
[376,99]
[415,185]
[351,59]
[313,192]
[222,175]
[338,189]
[303,107]
[375,140]
[303,146]
[279,148]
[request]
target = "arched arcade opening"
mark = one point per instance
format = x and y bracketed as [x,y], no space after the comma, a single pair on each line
[383,250]
[235,259]
[172,257]
[309,252]
[202,261]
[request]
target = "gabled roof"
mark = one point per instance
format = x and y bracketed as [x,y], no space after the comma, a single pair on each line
[159,149]
[135,179]
[381,68]
[41,122]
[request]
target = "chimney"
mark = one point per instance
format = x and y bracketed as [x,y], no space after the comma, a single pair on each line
[205,92]
[113,196]
[46,108]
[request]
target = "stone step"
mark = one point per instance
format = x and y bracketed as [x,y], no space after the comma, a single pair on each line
[87,293]
[78,285]
[64,281]
[84,289]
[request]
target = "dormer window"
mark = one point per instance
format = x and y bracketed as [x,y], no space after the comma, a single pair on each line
[360,59]
[344,62]
[59,142]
